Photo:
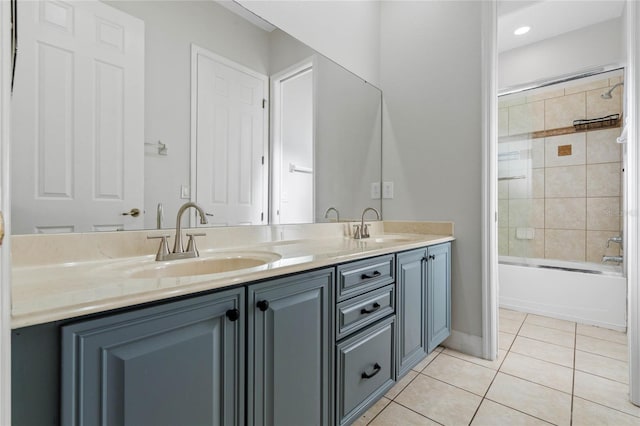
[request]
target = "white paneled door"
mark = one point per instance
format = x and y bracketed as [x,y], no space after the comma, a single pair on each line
[228,139]
[78,118]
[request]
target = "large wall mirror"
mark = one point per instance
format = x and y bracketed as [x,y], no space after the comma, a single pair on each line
[124,110]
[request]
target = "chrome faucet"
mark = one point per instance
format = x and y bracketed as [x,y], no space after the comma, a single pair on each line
[178,249]
[617,239]
[362,231]
[159,216]
[326,214]
[617,259]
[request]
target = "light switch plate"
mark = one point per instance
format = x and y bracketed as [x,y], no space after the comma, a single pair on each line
[375,190]
[185,192]
[387,190]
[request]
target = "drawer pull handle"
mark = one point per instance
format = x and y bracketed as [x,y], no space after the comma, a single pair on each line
[376,306]
[233,314]
[263,305]
[367,276]
[376,368]
[432,256]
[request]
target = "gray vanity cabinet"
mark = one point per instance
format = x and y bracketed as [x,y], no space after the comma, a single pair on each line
[438,294]
[424,303]
[411,309]
[289,346]
[177,363]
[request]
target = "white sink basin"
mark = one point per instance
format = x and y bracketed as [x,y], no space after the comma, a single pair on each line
[389,238]
[212,264]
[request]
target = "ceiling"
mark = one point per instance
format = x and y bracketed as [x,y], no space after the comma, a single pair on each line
[549,18]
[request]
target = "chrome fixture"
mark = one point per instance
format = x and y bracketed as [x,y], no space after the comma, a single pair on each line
[362,231]
[617,239]
[326,214]
[617,259]
[607,94]
[159,216]
[178,249]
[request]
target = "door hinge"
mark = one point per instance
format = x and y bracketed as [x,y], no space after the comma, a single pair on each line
[1,228]
[263,160]
[264,103]
[262,217]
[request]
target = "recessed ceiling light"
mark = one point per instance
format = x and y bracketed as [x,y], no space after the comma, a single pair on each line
[522,30]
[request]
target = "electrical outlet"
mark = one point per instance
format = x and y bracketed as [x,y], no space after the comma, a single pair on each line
[185,192]
[375,190]
[387,190]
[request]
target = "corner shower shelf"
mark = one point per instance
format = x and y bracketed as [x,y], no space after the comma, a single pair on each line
[607,122]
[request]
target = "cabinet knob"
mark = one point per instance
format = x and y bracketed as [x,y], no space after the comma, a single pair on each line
[233,314]
[432,256]
[376,370]
[263,305]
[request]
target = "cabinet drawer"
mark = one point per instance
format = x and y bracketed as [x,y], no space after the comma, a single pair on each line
[358,312]
[359,277]
[365,366]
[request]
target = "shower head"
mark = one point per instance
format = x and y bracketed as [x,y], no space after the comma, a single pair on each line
[607,94]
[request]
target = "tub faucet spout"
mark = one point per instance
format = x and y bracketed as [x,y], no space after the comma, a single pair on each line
[617,259]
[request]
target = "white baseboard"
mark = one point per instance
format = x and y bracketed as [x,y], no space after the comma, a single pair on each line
[465,343]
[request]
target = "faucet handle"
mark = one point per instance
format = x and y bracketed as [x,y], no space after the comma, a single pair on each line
[163,250]
[191,245]
[365,230]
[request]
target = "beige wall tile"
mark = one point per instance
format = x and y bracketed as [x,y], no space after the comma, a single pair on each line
[528,213]
[565,213]
[527,248]
[503,189]
[539,401]
[503,122]
[578,150]
[503,213]
[614,80]
[603,214]
[530,187]
[565,245]
[598,107]
[560,112]
[503,241]
[602,146]
[597,245]
[526,118]
[537,153]
[439,401]
[492,414]
[583,87]
[511,100]
[592,414]
[537,371]
[568,181]
[545,93]
[603,180]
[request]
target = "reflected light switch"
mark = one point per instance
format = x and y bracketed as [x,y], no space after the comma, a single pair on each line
[375,190]
[387,190]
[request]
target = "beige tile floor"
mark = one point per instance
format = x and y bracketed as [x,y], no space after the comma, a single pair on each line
[548,371]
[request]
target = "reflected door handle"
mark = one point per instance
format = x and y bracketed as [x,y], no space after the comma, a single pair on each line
[1,228]
[132,212]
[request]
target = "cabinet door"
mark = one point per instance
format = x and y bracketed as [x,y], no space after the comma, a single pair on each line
[411,315]
[290,335]
[181,363]
[439,294]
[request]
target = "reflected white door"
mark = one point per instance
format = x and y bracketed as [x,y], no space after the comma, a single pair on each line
[78,118]
[293,145]
[228,139]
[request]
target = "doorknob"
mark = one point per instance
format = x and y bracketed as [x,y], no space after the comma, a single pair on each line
[132,212]
[1,228]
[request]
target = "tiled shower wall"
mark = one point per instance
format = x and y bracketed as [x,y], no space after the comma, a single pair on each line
[554,206]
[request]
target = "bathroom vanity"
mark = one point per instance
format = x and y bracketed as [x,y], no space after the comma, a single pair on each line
[315,338]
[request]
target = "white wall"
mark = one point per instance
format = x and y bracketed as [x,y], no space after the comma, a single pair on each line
[430,76]
[170,28]
[599,44]
[347,32]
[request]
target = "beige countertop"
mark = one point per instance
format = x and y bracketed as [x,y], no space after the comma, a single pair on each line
[80,284]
